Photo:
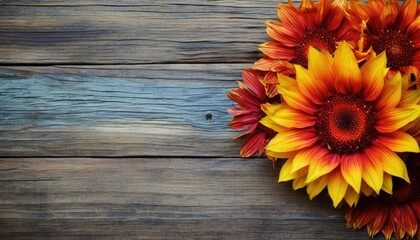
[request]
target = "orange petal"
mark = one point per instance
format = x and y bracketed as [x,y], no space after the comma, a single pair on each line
[351,168]
[399,141]
[337,186]
[280,33]
[347,74]
[289,15]
[276,50]
[293,97]
[323,164]
[373,73]
[391,93]
[390,120]
[292,139]
[407,14]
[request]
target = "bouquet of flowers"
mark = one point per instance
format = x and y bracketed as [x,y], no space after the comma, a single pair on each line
[336,99]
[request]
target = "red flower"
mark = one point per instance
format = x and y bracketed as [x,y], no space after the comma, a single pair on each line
[247,114]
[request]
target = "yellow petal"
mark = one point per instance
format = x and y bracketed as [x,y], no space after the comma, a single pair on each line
[337,186]
[286,174]
[391,162]
[280,155]
[390,120]
[304,157]
[322,165]
[387,186]
[391,93]
[292,139]
[347,77]
[351,197]
[289,117]
[373,73]
[266,121]
[399,141]
[315,187]
[293,97]
[366,190]
[351,168]
[373,173]
[311,85]
[299,183]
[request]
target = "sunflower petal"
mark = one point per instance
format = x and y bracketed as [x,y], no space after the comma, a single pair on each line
[316,83]
[373,173]
[323,164]
[351,197]
[391,93]
[387,186]
[399,141]
[390,120]
[292,139]
[337,186]
[373,73]
[304,157]
[299,182]
[315,187]
[348,79]
[293,97]
[391,162]
[351,168]
[289,117]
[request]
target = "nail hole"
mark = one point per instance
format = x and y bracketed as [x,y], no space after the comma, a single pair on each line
[209,116]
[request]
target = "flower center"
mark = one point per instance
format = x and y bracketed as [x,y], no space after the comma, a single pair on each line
[399,49]
[320,39]
[346,124]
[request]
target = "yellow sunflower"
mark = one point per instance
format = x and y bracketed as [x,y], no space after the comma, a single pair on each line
[340,126]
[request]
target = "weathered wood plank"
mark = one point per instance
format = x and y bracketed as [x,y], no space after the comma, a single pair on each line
[139,110]
[158,198]
[163,31]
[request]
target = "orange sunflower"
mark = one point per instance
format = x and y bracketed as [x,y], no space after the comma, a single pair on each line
[340,125]
[320,25]
[249,97]
[398,213]
[392,28]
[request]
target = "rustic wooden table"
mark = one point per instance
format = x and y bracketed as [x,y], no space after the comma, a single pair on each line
[113,125]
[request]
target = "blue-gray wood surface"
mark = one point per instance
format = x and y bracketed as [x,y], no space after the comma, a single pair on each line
[113,125]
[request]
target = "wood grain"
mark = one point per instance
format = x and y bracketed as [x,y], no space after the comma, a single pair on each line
[113,125]
[162,31]
[142,110]
[158,198]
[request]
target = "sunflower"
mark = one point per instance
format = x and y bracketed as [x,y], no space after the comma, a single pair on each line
[392,28]
[249,97]
[320,25]
[340,125]
[398,213]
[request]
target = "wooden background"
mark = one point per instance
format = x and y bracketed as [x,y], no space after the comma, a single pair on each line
[113,125]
